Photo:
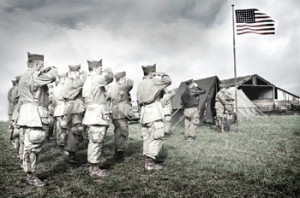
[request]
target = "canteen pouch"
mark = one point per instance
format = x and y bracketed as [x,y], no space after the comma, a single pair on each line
[158,130]
[37,136]
[45,117]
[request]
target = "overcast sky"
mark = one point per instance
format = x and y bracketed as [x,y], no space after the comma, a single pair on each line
[185,38]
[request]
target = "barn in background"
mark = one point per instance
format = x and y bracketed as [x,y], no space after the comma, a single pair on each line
[265,95]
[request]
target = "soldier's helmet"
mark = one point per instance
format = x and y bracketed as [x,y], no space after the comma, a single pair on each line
[33,57]
[119,75]
[149,68]
[188,82]
[223,86]
[74,67]
[93,64]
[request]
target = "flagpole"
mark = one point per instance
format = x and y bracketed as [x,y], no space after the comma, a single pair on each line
[234,58]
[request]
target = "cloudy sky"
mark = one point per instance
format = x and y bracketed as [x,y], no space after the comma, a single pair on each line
[187,39]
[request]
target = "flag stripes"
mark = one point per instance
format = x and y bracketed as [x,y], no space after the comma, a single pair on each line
[253,21]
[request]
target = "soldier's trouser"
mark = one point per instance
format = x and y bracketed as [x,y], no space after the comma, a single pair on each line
[33,140]
[191,121]
[96,141]
[121,134]
[60,132]
[220,111]
[21,143]
[167,123]
[75,130]
[152,134]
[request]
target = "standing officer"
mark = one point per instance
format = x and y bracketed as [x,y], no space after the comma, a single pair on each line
[96,117]
[33,115]
[148,97]
[223,106]
[74,109]
[121,107]
[190,99]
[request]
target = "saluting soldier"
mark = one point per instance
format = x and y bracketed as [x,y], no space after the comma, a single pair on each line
[148,97]
[96,117]
[190,99]
[166,103]
[74,110]
[58,114]
[223,99]
[33,115]
[121,110]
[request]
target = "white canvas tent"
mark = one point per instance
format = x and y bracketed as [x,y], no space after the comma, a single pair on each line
[246,109]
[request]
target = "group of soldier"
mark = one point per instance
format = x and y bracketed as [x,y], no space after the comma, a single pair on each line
[74,103]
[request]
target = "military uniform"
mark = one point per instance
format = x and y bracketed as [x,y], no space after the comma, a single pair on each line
[222,106]
[74,110]
[121,107]
[148,97]
[10,100]
[96,117]
[33,114]
[166,103]
[190,101]
[58,114]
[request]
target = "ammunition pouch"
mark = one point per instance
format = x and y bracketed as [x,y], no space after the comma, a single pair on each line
[45,117]
[158,130]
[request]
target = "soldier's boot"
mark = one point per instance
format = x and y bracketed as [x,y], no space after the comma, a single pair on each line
[151,165]
[72,159]
[34,180]
[94,171]
[119,155]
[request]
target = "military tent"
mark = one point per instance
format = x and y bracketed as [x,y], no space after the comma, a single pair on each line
[207,100]
[246,109]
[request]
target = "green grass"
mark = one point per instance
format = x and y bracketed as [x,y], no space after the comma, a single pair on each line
[261,160]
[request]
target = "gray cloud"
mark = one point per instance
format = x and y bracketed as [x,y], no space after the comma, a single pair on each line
[188,39]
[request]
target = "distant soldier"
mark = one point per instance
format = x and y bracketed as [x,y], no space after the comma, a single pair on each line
[166,103]
[34,117]
[10,99]
[96,117]
[58,114]
[121,110]
[190,99]
[148,97]
[224,107]
[74,110]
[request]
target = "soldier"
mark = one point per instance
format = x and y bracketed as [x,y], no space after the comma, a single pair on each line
[33,115]
[148,97]
[223,106]
[58,114]
[96,117]
[166,103]
[74,110]
[121,110]
[10,99]
[51,111]
[190,99]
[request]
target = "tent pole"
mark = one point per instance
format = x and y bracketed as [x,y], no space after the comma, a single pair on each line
[234,58]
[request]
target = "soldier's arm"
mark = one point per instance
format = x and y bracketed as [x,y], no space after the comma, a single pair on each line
[9,95]
[221,98]
[197,91]
[127,86]
[162,83]
[45,76]
[105,78]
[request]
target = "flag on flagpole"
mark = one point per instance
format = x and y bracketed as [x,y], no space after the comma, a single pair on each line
[253,21]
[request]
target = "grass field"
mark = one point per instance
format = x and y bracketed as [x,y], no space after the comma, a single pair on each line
[261,160]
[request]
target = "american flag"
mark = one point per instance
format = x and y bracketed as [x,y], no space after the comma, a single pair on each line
[253,21]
